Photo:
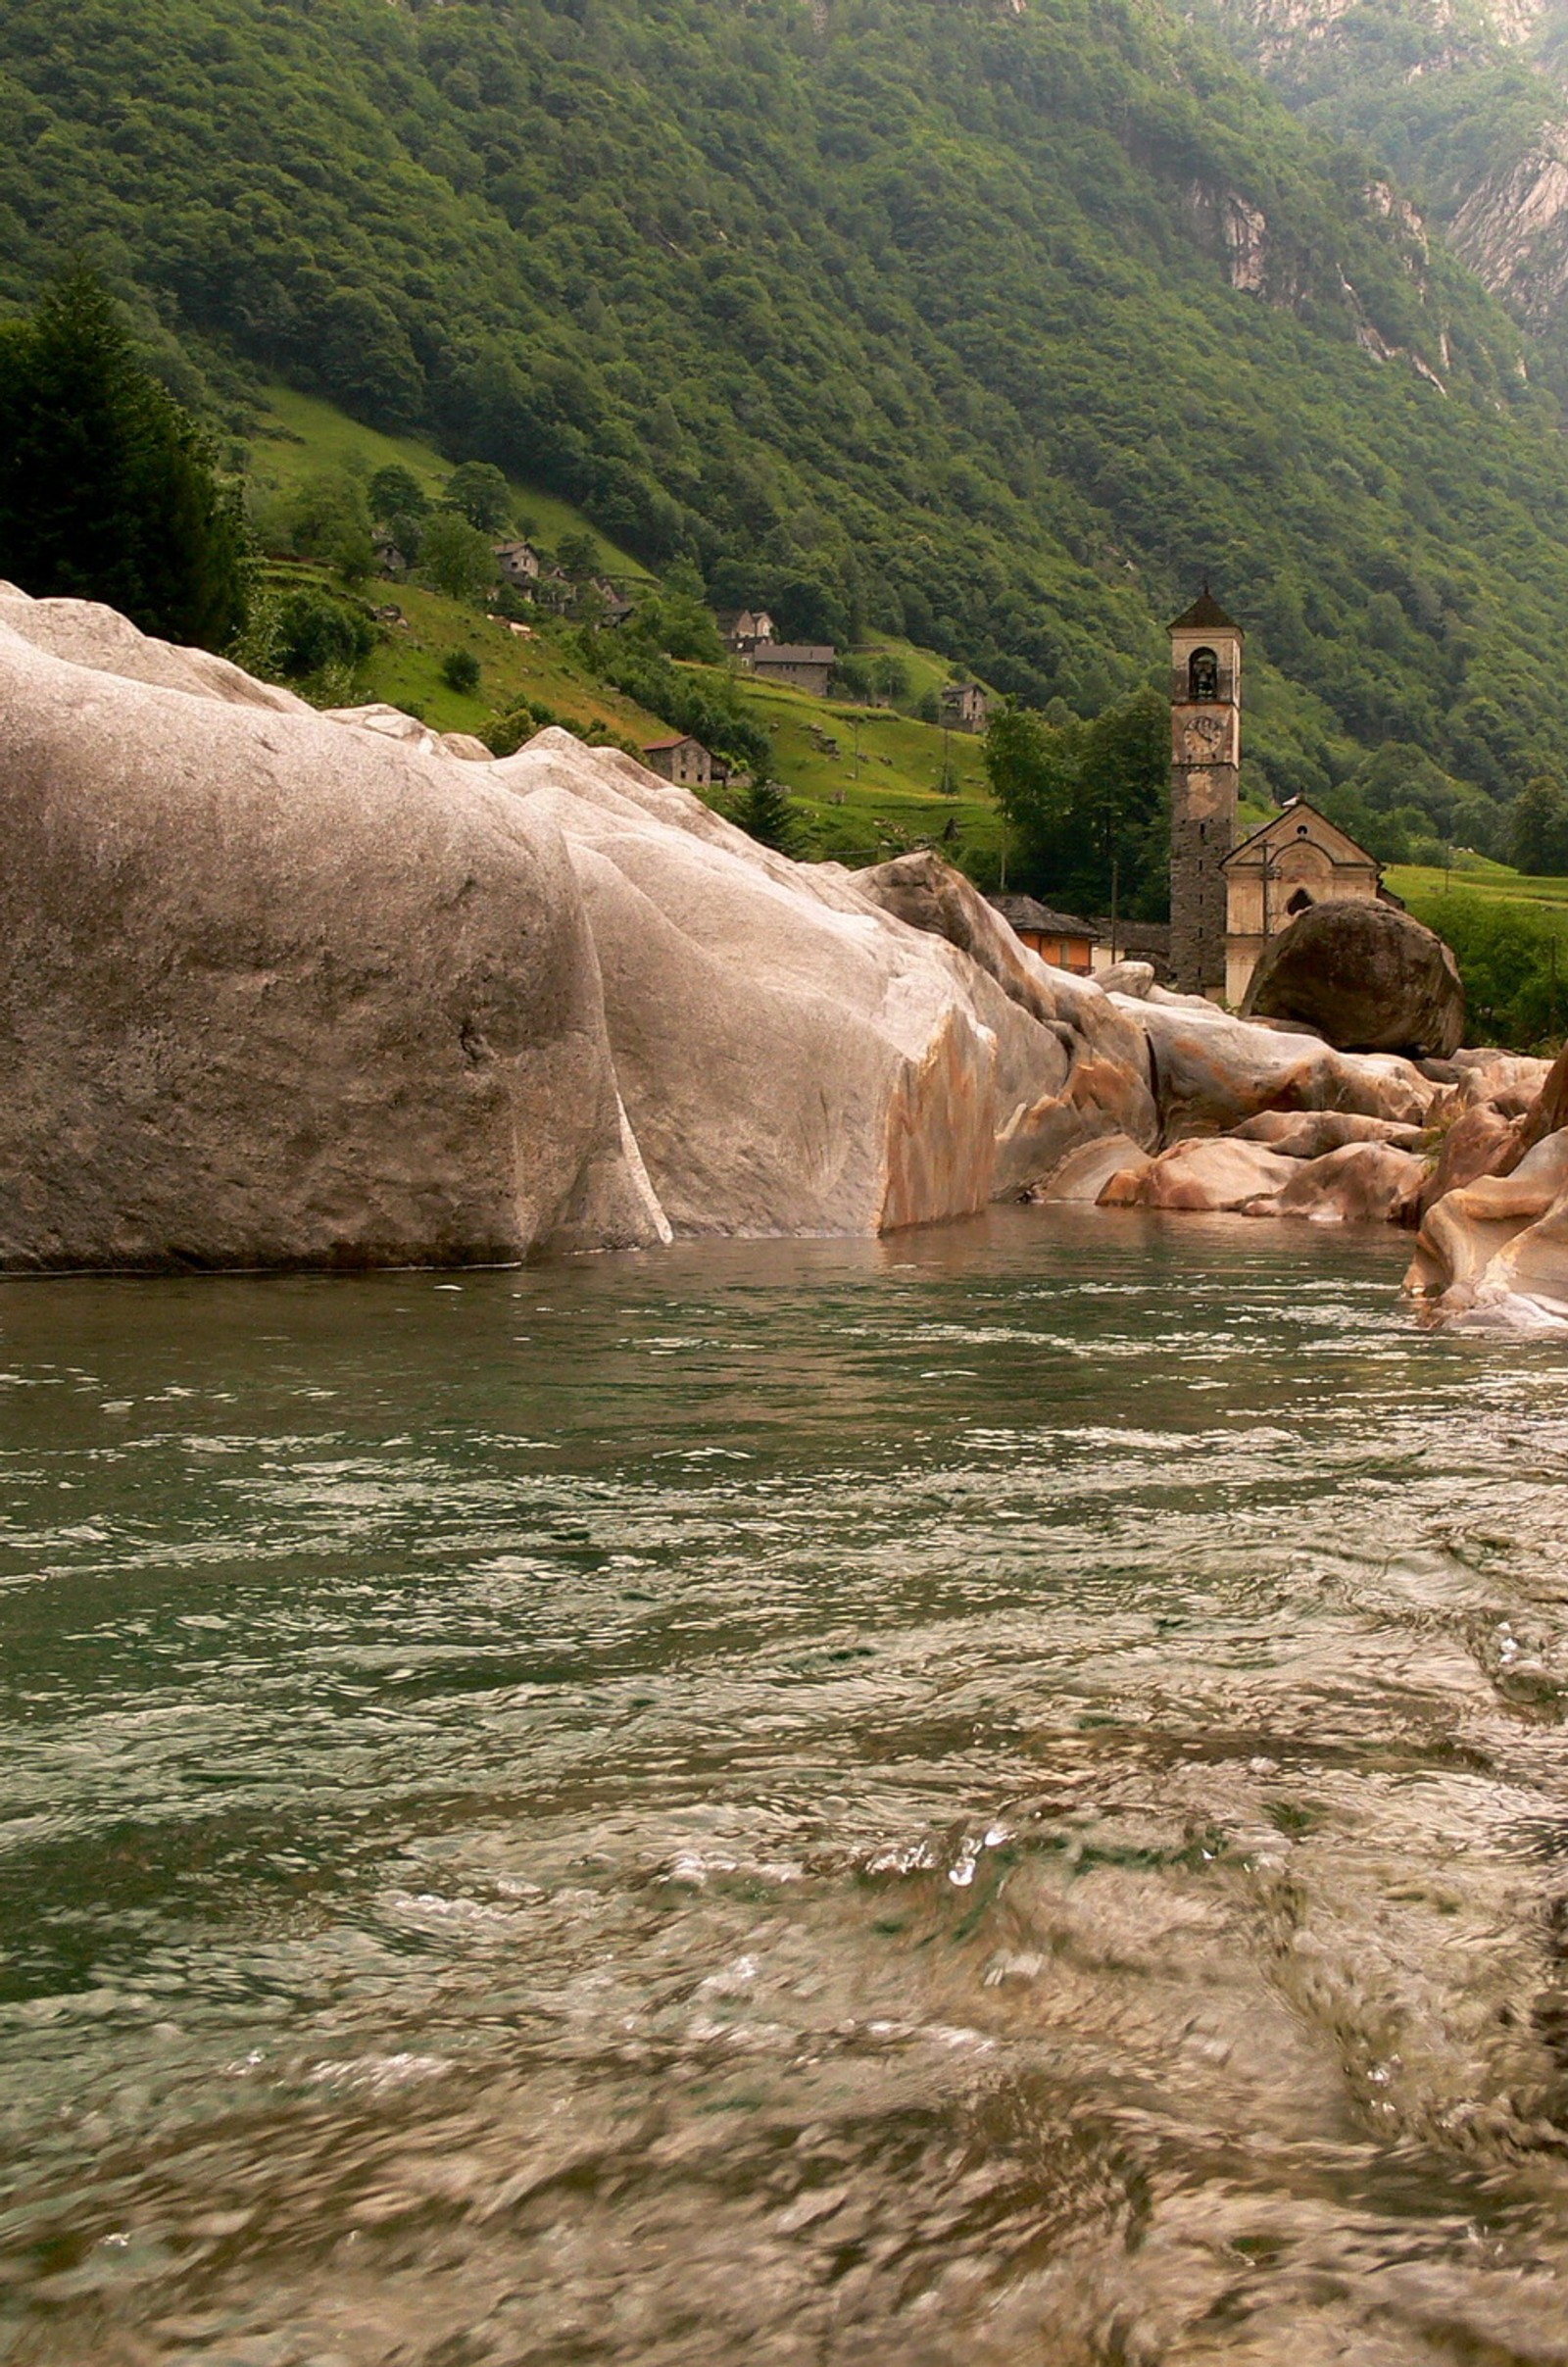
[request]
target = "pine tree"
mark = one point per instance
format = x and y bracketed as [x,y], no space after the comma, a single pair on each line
[108,489]
[764,813]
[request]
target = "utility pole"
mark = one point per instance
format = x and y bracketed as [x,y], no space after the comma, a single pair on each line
[1115,890]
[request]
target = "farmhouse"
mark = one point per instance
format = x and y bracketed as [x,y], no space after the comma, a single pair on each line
[685,762]
[962,706]
[1059,938]
[804,665]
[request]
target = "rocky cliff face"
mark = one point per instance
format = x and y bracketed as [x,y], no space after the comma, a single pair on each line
[1468,98]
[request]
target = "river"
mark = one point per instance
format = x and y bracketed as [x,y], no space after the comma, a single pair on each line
[992,1797]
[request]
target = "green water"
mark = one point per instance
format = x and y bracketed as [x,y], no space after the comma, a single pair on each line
[993,1798]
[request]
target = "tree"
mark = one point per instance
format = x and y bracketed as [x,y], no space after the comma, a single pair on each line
[1085,804]
[457,557]
[312,634]
[1538,828]
[764,813]
[460,671]
[330,520]
[577,555]
[108,489]
[396,493]
[480,492]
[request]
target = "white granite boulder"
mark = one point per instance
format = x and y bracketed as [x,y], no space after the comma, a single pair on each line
[277,993]
[793,1056]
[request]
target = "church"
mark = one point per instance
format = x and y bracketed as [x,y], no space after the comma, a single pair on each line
[1227,900]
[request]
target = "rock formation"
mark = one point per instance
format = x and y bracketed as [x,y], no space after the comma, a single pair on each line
[275,992]
[291,989]
[1366,976]
[1492,1247]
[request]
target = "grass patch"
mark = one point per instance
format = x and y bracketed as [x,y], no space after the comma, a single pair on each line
[298,436]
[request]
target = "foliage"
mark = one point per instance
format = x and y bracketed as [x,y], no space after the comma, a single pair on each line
[456,556]
[764,813]
[107,489]
[312,634]
[1538,828]
[480,493]
[706,705]
[577,557]
[459,672]
[880,680]
[910,318]
[1086,805]
[1514,964]
[330,520]
[676,624]
[396,492]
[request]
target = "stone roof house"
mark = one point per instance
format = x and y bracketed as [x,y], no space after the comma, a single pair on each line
[804,665]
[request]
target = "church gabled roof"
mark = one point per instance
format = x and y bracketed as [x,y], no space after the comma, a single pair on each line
[1296,807]
[1204,616]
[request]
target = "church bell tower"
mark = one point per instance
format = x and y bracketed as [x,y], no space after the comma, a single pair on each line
[1205,761]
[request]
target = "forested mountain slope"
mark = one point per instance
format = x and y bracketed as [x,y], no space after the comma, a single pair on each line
[997,326]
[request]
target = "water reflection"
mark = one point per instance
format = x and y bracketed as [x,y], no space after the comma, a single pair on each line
[991,1797]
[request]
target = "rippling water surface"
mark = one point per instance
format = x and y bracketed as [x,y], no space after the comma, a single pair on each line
[994,1798]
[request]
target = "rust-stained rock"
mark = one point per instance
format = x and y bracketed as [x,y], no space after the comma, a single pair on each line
[1212,1173]
[1310,1133]
[1503,1237]
[1359,1183]
[1213,1072]
[1085,1173]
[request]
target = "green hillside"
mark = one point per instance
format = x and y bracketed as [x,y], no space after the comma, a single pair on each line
[296,436]
[918,318]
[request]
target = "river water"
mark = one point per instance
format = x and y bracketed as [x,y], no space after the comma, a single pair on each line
[996,1796]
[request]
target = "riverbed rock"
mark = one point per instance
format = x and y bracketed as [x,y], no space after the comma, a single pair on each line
[1368,976]
[1206,1173]
[1311,1133]
[277,993]
[1213,1072]
[1498,1250]
[1359,1183]
[1087,1170]
[1134,978]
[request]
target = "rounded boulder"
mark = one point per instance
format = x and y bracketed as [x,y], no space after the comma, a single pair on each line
[1367,977]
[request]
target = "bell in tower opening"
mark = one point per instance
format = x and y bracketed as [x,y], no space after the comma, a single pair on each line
[1203,676]
[1205,690]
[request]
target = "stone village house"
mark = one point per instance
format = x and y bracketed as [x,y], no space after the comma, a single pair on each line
[685,762]
[962,706]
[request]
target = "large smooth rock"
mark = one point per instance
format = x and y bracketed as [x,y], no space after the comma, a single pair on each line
[1206,1175]
[1367,975]
[1498,1250]
[277,993]
[794,1055]
[1213,1072]
[1359,1183]
[1086,1171]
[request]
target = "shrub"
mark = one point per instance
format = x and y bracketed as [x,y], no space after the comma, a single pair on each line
[460,671]
[314,634]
